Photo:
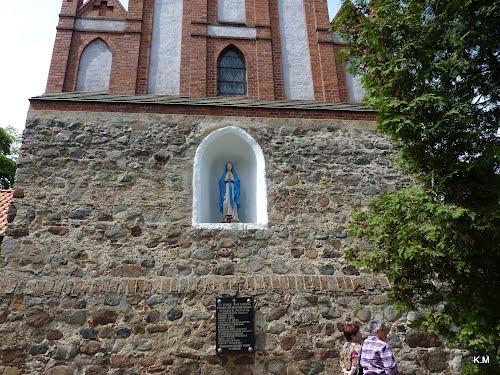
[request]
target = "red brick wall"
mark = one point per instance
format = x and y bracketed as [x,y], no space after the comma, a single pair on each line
[199,54]
[341,75]
[62,45]
[195,110]
[143,9]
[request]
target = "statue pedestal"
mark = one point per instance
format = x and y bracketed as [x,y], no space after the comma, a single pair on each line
[230,226]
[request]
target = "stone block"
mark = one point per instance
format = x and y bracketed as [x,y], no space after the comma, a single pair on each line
[96,370]
[80,214]
[327,270]
[11,371]
[391,314]
[37,317]
[276,367]
[280,267]
[157,328]
[422,339]
[59,370]
[174,314]
[73,317]
[104,316]
[4,314]
[287,342]
[38,349]
[123,333]
[364,314]
[204,254]
[276,313]
[147,361]
[88,333]
[436,361]
[65,352]
[54,334]
[13,357]
[126,271]
[90,347]
[121,361]
[312,368]
[394,341]
[112,300]
[303,355]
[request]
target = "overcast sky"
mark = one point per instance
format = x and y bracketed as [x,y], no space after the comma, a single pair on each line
[28,30]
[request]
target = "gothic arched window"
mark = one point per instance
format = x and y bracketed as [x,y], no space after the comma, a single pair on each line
[94,70]
[231,73]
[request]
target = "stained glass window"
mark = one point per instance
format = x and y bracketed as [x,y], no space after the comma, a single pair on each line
[231,74]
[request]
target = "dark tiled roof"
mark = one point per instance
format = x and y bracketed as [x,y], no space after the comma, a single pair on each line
[240,102]
[5,199]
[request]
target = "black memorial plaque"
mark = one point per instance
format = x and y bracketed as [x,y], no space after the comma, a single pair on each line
[234,325]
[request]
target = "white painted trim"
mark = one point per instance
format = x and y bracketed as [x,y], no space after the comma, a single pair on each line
[231,11]
[232,32]
[165,58]
[205,155]
[99,25]
[354,86]
[230,226]
[94,69]
[296,61]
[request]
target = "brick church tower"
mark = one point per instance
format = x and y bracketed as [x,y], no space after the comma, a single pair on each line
[120,256]
[284,49]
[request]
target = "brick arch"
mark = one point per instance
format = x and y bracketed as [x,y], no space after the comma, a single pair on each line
[225,46]
[91,39]
[94,72]
[79,43]
[247,50]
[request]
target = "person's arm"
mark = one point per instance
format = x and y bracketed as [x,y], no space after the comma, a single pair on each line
[354,363]
[390,365]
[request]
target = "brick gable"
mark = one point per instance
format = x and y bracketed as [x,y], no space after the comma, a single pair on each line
[102,9]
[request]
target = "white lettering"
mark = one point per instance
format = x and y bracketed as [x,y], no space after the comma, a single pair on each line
[485,359]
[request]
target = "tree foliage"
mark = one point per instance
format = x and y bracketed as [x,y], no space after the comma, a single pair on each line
[8,152]
[430,69]
[439,257]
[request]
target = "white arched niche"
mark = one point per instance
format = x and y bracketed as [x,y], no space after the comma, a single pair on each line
[94,70]
[229,144]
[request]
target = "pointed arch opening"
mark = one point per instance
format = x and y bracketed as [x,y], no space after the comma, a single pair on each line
[229,144]
[231,73]
[94,70]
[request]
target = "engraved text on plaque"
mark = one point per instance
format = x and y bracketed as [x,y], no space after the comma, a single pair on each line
[234,323]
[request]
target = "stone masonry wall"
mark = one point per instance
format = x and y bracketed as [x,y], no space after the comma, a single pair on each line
[167,325]
[102,272]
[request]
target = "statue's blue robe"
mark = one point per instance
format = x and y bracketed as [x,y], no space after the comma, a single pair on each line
[232,185]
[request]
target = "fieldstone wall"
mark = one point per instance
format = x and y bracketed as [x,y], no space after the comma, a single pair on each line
[167,325]
[111,195]
[102,272]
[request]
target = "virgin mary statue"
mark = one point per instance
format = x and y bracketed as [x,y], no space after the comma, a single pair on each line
[229,194]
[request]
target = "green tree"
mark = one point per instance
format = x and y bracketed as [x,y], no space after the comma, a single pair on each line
[430,69]
[9,139]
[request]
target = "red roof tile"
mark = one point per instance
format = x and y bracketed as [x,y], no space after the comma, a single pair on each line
[5,199]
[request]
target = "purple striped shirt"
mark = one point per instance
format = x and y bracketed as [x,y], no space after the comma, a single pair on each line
[377,358]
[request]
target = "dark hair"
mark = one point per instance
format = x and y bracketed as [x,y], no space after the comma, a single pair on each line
[350,329]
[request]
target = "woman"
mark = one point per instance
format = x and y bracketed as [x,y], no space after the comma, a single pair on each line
[229,194]
[349,357]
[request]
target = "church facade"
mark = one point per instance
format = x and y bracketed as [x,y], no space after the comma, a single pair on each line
[129,228]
